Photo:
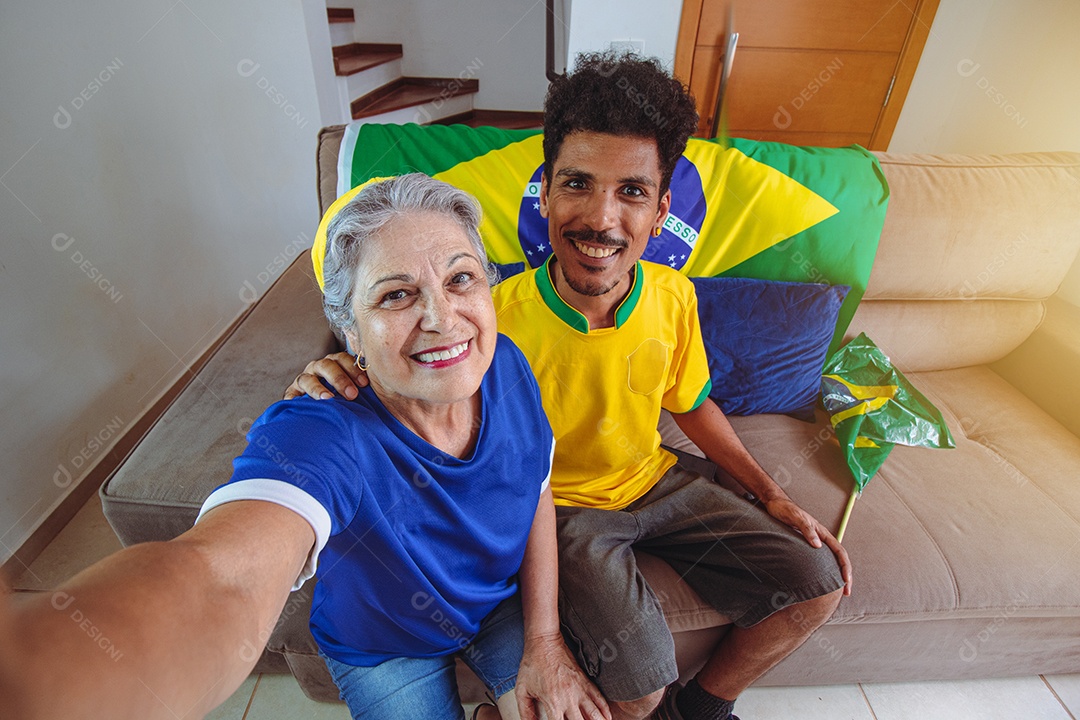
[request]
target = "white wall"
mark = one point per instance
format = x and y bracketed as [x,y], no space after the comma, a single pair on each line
[595,23]
[499,42]
[149,179]
[996,76]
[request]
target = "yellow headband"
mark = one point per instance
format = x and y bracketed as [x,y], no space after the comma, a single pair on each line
[318,248]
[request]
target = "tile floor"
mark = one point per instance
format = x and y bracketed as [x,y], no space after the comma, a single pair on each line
[88,538]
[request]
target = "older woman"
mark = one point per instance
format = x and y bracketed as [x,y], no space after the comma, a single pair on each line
[422,506]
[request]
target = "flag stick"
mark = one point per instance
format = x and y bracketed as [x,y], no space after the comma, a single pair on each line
[847,514]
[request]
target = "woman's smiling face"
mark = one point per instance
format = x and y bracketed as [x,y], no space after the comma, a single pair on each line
[424,317]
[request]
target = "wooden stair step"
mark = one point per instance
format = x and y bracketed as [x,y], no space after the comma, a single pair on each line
[409,92]
[505,119]
[355,57]
[340,15]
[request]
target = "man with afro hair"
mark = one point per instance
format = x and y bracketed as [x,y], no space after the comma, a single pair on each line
[612,340]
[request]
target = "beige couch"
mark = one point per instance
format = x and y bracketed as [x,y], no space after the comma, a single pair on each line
[965,560]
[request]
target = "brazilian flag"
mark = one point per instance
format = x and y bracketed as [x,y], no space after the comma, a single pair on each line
[873,408]
[746,209]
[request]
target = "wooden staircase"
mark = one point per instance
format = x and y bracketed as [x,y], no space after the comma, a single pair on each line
[357,57]
[372,84]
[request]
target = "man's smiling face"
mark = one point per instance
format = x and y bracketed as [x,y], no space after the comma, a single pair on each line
[602,203]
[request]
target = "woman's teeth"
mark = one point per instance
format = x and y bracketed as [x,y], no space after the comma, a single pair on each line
[453,352]
[596,252]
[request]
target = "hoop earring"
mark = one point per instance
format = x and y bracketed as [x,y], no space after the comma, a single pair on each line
[361,362]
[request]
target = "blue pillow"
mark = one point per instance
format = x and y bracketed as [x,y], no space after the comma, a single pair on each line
[766,342]
[507,270]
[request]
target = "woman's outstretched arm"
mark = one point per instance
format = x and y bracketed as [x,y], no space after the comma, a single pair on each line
[157,630]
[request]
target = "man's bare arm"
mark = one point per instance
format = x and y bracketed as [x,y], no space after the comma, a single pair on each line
[338,370]
[710,430]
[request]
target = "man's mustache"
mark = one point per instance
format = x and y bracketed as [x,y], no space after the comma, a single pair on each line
[597,238]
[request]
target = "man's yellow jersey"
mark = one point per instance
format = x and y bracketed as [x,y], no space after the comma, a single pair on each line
[603,389]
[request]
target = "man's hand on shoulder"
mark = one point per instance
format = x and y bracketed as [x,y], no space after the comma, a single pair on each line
[338,371]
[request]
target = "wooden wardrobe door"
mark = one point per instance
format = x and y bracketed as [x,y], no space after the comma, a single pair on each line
[806,72]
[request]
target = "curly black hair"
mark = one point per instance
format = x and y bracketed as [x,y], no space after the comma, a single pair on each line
[620,94]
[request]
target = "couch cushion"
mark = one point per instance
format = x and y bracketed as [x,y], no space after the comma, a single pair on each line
[326,157]
[990,528]
[1001,517]
[967,230]
[920,335]
[967,227]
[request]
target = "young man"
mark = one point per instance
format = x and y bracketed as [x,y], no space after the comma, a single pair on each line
[612,341]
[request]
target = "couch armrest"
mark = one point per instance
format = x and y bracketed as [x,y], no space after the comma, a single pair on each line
[1046,366]
[326,157]
[157,491]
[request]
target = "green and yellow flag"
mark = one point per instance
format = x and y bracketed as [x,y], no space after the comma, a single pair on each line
[750,209]
[873,408]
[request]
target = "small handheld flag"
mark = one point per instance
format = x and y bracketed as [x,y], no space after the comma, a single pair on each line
[873,408]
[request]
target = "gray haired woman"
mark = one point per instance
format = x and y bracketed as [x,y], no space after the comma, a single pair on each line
[422,508]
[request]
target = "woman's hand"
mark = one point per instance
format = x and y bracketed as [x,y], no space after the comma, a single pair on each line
[550,678]
[340,372]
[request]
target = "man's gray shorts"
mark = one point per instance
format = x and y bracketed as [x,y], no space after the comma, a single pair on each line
[736,556]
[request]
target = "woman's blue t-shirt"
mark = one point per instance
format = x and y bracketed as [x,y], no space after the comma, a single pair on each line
[422,545]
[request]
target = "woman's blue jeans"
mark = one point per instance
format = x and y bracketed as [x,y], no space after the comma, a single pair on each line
[409,688]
